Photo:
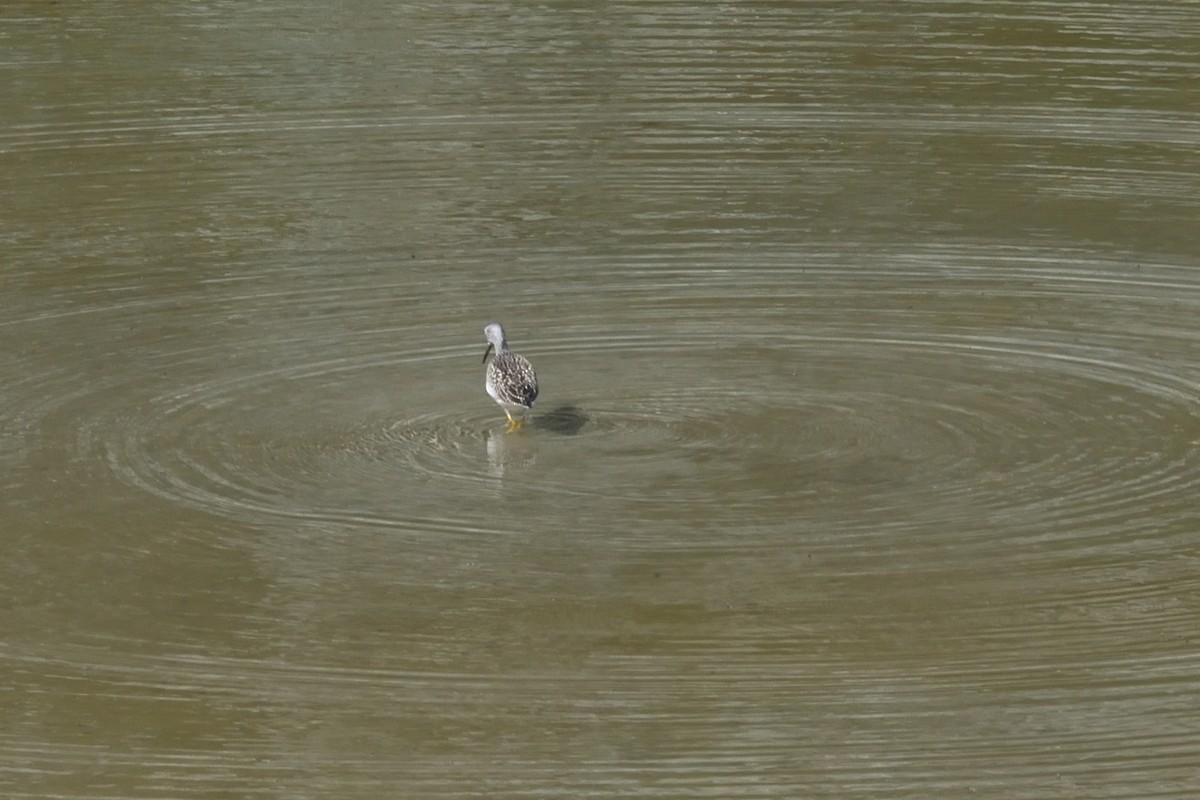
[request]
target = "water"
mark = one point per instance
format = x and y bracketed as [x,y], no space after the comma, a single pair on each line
[864,460]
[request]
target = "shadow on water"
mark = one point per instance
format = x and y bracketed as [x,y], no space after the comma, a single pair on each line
[566,420]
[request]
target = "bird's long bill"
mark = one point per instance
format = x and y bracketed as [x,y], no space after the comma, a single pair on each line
[485,352]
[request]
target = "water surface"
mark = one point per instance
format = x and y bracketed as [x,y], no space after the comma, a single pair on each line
[864,462]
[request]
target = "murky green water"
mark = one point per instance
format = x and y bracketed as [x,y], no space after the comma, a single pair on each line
[865,462]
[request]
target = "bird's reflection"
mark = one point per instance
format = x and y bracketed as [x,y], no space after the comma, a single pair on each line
[507,451]
[515,449]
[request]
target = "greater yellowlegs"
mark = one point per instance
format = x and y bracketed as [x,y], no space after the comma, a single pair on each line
[510,379]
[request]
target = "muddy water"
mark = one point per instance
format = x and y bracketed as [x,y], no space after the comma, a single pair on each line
[865,458]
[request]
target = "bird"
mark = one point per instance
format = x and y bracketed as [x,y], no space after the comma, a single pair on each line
[509,378]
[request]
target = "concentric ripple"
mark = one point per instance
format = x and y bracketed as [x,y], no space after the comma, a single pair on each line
[902,413]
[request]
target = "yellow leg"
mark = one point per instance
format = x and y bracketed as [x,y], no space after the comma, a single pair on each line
[513,422]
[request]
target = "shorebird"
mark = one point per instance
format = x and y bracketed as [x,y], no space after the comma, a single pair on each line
[510,378]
